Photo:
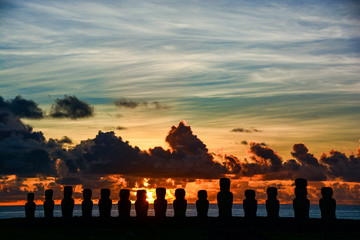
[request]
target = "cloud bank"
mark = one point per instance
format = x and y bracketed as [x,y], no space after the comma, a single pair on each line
[26,153]
[109,161]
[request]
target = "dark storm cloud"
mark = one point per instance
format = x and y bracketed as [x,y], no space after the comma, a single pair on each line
[65,140]
[267,155]
[233,164]
[22,151]
[109,154]
[58,142]
[27,153]
[339,165]
[21,108]
[125,103]
[268,165]
[181,137]
[71,107]
[302,155]
[106,153]
[245,130]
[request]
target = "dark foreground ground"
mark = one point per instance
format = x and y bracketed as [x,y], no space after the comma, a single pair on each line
[170,228]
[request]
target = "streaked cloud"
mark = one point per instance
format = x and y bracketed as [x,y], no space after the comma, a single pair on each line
[245,130]
[227,49]
[126,103]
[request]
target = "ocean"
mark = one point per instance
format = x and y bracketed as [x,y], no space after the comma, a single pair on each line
[286,210]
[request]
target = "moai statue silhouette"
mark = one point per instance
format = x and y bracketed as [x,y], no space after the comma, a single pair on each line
[327,204]
[49,204]
[301,203]
[272,204]
[105,203]
[225,198]
[124,204]
[202,204]
[87,203]
[160,204]
[141,205]
[250,204]
[67,204]
[180,203]
[30,206]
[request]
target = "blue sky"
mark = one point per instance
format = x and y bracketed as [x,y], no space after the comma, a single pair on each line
[289,69]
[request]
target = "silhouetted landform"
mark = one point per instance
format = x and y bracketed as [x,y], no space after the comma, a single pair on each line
[105,203]
[67,204]
[225,198]
[141,205]
[87,203]
[272,204]
[124,204]
[171,228]
[327,204]
[301,203]
[30,206]
[250,204]
[180,203]
[49,204]
[202,204]
[160,203]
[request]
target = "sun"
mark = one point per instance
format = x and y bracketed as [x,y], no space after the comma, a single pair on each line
[150,197]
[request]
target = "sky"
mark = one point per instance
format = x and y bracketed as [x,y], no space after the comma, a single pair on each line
[146,94]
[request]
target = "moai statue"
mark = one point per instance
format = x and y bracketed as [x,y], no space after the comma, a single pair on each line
[30,206]
[180,203]
[202,204]
[250,204]
[124,204]
[327,204]
[141,205]
[301,203]
[160,204]
[225,198]
[272,204]
[49,204]
[87,203]
[105,203]
[67,204]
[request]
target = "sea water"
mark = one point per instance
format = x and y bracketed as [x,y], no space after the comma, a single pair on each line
[286,210]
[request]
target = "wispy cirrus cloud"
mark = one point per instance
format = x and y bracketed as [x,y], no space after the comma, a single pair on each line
[226,47]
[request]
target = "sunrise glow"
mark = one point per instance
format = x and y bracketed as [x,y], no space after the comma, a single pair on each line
[116,95]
